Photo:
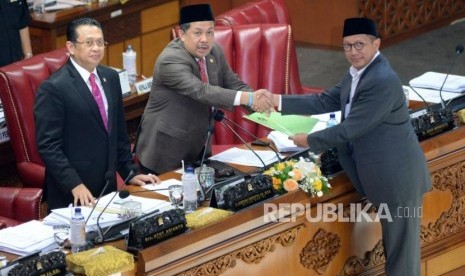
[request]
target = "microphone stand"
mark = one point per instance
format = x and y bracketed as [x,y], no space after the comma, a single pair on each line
[423,99]
[244,142]
[219,116]
[108,176]
[101,235]
[458,50]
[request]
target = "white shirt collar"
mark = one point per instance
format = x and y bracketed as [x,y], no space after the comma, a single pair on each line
[355,73]
[83,72]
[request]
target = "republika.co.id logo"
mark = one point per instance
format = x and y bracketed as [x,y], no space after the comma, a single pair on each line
[331,212]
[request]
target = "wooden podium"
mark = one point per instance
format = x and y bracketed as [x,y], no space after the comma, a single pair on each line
[246,243]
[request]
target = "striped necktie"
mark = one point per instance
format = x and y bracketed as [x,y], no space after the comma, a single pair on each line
[203,70]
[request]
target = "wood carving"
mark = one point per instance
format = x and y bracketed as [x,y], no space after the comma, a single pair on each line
[451,178]
[320,251]
[215,267]
[355,265]
[396,17]
[253,253]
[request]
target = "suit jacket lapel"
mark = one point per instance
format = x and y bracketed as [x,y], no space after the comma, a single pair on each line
[212,68]
[86,94]
[345,93]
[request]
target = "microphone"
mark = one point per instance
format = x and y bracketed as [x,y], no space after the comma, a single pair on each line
[101,236]
[219,116]
[210,130]
[125,193]
[108,177]
[458,50]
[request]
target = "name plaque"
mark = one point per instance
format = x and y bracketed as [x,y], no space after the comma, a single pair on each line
[154,228]
[243,194]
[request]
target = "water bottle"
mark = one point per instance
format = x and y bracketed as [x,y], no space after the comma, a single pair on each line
[78,231]
[189,186]
[129,63]
[332,120]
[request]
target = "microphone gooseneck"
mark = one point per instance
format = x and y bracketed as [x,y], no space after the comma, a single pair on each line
[108,177]
[458,50]
[423,99]
[100,238]
[125,193]
[219,116]
[244,142]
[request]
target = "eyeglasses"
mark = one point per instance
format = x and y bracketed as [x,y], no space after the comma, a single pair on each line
[91,43]
[357,45]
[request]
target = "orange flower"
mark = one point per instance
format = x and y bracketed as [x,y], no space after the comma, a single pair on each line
[290,185]
[297,174]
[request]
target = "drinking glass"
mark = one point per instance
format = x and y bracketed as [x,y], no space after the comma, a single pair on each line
[175,194]
[61,235]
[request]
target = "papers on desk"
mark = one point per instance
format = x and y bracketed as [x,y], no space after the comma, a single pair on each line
[111,215]
[64,4]
[27,238]
[430,95]
[246,157]
[433,80]
[282,142]
[163,185]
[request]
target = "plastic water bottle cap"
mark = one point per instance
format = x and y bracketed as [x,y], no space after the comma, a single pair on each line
[77,210]
[129,49]
[332,115]
[189,170]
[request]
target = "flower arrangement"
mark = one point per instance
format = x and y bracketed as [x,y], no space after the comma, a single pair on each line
[294,174]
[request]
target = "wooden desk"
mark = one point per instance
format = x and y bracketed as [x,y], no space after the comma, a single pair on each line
[246,244]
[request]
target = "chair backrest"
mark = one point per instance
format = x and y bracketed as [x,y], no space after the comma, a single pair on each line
[262,11]
[18,86]
[268,12]
[19,205]
[259,54]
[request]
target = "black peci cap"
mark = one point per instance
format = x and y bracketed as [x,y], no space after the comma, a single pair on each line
[193,13]
[359,25]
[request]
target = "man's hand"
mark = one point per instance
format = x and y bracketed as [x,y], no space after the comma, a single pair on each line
[141,179]
[263,101]
[300,140]
[82,195]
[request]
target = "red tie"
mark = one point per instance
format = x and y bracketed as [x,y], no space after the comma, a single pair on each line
[98,99]
[203,70]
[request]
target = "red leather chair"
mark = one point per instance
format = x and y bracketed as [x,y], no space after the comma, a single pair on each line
[259,54]
[18,84]
[18,205]
[269,11]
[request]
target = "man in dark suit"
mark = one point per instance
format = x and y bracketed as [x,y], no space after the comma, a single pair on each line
[178,113]
[376,143]
[80,128]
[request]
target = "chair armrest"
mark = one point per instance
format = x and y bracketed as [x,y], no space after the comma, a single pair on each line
[20,204]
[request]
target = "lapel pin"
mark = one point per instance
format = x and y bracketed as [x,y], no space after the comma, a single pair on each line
[211,60]
[104,80]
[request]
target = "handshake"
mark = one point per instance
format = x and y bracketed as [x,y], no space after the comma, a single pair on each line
[261,100]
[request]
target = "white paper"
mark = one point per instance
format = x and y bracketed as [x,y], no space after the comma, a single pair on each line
[282,142]
[246,157]
[434,80]
[27,238]
[430,95]
[163,185]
